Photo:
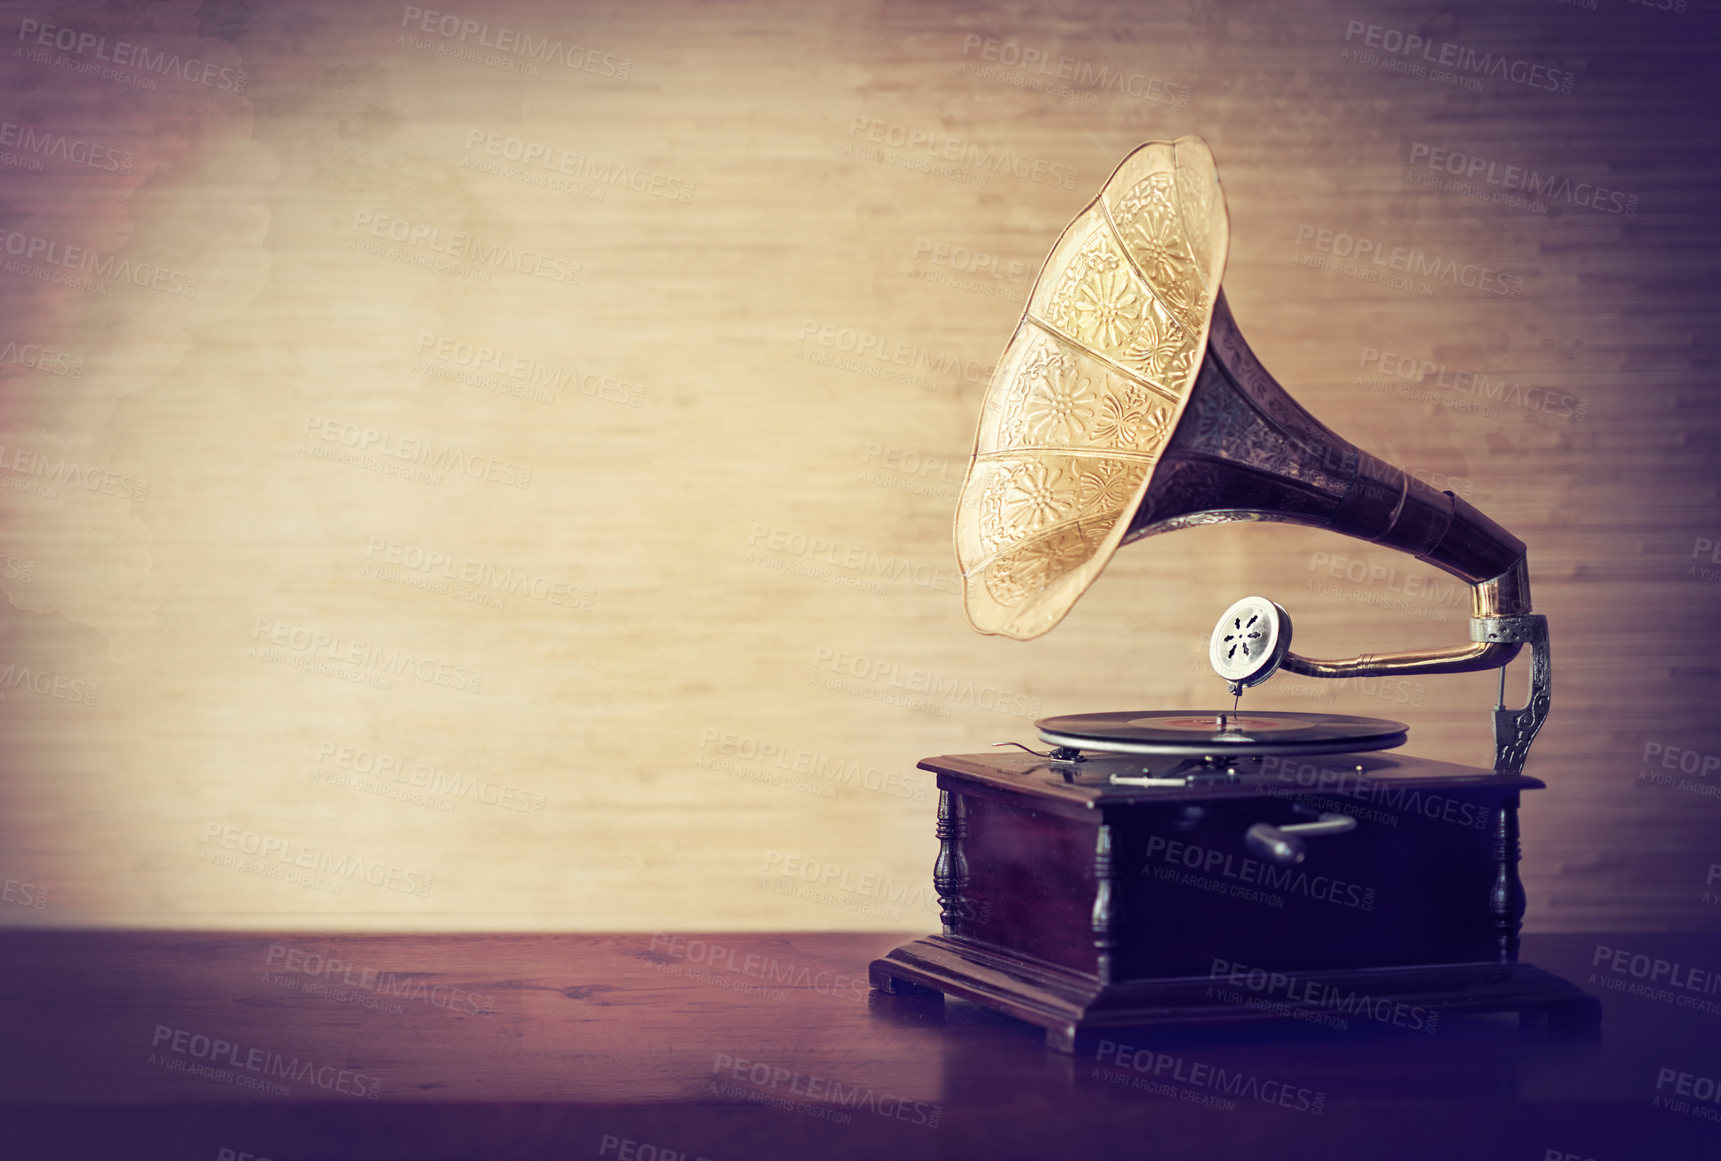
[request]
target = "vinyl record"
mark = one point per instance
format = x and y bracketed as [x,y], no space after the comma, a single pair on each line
[1221,732]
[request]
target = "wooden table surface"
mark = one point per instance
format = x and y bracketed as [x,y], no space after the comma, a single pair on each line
[655,1047]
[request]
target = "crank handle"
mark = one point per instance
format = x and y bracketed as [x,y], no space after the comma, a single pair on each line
[1284,845]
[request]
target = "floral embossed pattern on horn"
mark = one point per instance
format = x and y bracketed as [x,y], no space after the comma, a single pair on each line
[1090,387]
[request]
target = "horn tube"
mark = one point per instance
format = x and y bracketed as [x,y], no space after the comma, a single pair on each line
[1245,450]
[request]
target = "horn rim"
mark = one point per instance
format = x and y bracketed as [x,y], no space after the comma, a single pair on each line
[1096,536]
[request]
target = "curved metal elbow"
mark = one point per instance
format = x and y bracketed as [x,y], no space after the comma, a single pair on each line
[1505,595]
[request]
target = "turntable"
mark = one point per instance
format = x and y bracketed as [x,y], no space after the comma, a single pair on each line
[1149,866]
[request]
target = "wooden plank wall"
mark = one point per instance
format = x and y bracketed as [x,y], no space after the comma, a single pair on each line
[620,275]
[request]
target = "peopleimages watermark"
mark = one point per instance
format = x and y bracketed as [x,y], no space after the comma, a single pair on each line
[1351,791]
[866,893]
[1512,180]
[1313,1001]
[296,854]
[231,1062]
[1241,877]
[1399,690]
[81,268]
[1198,1082]
[57,472]
[1665,981]
[418,566]
[978,263]
[881,357]
[1704,1093]
[1041,71]
[509,44]
[878,679]
[1706,548]
[34,145]
[36,357]
[425,454]
[1685,761]
[127,55]
[970,271]
[939,146]
[326,972]
[906,470]
[456,251]
[767,760]
[629,1149]
[1475,389]
[282,643]
[864,568]
[470,362]
[1375,261]
[799,554]
[368,769]
[48,683]
[1363,596]
[774,1084]
[567,165]
[1452,64]
[1681,768]
[22,894]
[703,961]
[1357,571]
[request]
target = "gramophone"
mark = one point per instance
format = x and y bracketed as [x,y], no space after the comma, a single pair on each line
[1179,866]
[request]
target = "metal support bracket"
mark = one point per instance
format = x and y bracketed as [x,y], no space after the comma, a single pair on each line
[1515,729]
